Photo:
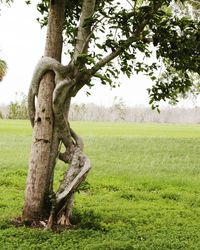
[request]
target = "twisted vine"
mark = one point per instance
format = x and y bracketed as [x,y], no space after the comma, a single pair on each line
[79,164]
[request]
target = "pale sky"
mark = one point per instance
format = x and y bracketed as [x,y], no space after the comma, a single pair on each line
[22,45]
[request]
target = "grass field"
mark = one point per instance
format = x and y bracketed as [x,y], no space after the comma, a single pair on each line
[142,193]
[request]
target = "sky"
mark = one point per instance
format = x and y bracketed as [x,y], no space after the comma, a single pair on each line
[22,45]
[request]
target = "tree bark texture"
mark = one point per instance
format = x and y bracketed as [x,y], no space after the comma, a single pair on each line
[54,84]
[43,132]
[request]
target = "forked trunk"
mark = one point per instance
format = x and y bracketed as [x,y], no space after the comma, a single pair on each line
[53,84]
[44,139]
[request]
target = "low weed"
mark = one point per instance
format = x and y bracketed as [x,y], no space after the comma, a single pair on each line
[142,192]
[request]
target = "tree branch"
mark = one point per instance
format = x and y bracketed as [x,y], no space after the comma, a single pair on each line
[84,32]
[126,43]
[115,53]
[60,94]
[78,140]
[85,44]
[76,181]
[45,64]
[31,106]
[65,157]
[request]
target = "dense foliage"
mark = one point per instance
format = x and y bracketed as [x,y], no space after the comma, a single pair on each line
[139,36]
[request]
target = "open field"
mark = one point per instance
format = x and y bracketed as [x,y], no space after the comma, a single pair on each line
[142,193]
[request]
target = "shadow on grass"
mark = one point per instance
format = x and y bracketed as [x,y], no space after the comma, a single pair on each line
[5,224]
[87,220]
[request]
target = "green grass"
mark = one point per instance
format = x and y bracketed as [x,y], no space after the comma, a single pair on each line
[143,191]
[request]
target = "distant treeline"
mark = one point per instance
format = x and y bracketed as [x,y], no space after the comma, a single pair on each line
[117,112]
[92,112]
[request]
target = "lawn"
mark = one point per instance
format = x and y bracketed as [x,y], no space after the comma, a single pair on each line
[143,191]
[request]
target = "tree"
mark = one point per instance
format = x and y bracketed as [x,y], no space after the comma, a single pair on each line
[119,108]
[3,69]
[18,108]
[103,39]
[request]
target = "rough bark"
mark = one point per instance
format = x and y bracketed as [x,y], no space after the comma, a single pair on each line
[79,164]
[43,133]
[84,30]
[54,84]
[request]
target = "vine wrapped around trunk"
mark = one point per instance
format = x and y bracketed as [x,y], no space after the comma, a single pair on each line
[79,164]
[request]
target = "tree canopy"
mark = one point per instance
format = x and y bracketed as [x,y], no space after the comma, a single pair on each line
[133,36]
[137,36]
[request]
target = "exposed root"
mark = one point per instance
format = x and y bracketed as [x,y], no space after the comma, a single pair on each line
[63,217]
[20,222]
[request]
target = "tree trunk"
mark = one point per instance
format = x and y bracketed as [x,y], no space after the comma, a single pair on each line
[54,84]
[45,141]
